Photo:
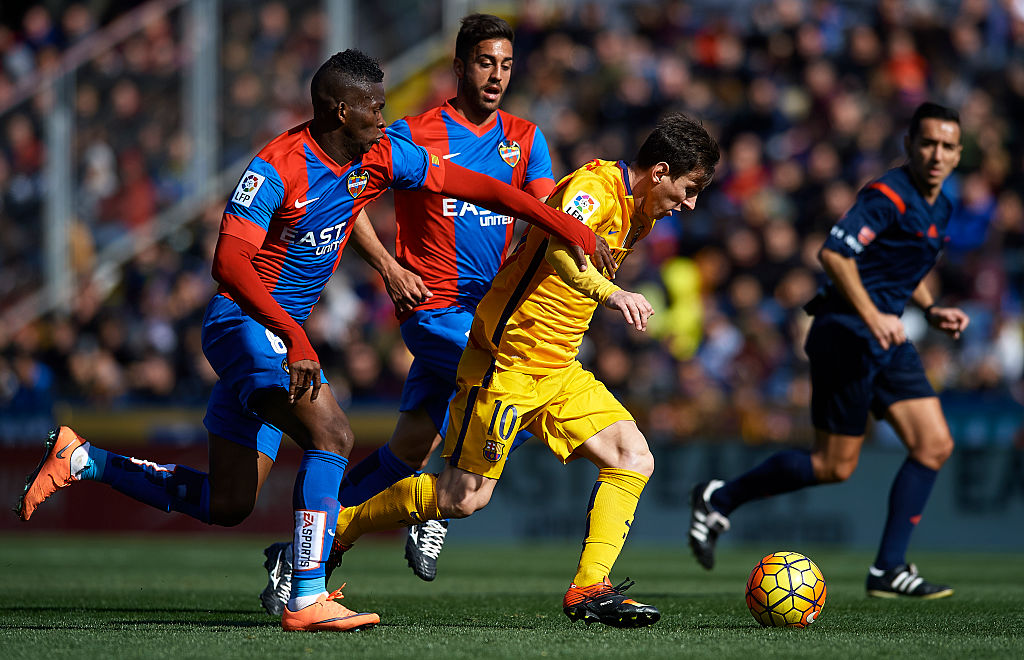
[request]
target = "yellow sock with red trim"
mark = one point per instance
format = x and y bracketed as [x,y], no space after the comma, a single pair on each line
[411,501]
[609,517]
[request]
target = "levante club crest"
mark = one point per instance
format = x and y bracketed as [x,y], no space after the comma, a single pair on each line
[509,151]
[493,451]
[357,182]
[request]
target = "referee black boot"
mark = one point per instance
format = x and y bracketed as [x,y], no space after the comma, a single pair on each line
[903,580]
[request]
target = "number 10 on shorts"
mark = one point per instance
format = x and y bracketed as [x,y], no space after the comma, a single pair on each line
[503,420]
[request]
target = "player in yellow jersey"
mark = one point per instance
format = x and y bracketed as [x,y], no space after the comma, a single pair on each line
[519,369]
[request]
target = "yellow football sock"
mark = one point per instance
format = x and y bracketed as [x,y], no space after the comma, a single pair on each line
[409,502]
[612,506]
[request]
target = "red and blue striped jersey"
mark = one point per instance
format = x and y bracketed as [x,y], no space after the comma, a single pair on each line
[894,235]
[454,246]
[297,205]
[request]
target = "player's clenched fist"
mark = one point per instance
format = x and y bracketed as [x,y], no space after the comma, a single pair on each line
[634,307]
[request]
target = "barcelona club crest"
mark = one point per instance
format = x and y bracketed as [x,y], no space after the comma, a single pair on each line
[493,451]
[357,182]
[509,151]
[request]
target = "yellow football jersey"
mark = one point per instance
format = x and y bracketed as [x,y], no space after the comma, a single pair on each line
[531,320]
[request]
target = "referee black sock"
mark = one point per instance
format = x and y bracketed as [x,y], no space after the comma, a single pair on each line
[782,472]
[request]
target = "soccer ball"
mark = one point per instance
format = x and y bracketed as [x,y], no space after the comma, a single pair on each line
[785,589]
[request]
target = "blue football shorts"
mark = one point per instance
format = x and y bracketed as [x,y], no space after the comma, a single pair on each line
[247,357]
[436,339]
[851,376]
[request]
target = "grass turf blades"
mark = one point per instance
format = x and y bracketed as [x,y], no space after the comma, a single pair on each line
[173,597]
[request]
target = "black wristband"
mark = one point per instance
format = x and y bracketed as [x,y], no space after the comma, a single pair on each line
[928,310]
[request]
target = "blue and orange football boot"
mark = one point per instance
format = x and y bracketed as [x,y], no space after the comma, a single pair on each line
[52,473]
[327,614]
[605,603]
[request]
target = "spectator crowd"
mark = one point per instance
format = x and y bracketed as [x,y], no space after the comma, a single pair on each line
[809,100]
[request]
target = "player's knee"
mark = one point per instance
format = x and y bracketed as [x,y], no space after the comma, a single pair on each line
[945,449]
[334,435]
[643,463]
[411,450]
[229,513]
[835,471]
[935,453]
[629,451]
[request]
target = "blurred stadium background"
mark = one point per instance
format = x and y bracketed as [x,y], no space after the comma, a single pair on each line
[123,125]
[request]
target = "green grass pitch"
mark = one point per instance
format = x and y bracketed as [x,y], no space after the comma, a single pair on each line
[196,597]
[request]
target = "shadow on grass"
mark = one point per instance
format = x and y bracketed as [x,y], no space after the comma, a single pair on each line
[721,626]
[169,610]
[264,622]
[121,624]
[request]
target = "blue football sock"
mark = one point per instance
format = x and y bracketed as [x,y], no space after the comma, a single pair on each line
[95,464]
[374,474]
[781,472]
[907,498]
[165,487]
[315,500]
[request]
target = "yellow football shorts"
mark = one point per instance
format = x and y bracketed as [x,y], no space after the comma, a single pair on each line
[563,409]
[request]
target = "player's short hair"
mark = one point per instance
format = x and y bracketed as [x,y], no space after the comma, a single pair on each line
[480,27]
[349,68]
[684,144]
[929,110]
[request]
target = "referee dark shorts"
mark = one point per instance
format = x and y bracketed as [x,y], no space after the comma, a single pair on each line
[852,375]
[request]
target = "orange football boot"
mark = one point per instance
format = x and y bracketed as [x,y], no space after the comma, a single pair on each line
[52,473]
[605,603]
[326,614]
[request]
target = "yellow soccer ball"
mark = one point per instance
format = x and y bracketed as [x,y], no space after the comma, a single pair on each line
[785,589]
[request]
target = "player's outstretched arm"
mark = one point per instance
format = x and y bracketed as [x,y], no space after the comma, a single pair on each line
[634,307]
[405,288]
[233,269]
[492,194]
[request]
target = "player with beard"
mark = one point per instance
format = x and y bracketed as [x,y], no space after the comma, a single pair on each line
[456,248]
[281,238]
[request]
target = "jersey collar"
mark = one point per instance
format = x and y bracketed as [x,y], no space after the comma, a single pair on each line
[457,117]
[624,169]
[321,155]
